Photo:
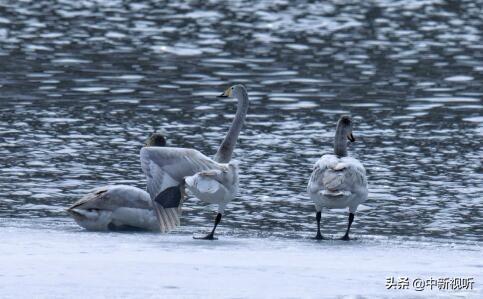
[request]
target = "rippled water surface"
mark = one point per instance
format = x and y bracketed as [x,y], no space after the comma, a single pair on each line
[83,83]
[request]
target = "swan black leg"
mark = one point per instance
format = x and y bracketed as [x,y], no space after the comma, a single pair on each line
[346,236]
[318,216]
[210,236]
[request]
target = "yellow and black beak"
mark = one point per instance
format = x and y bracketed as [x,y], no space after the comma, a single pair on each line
[351,137]
[227,93]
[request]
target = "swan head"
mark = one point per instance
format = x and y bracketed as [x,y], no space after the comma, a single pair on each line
[345,124]
[156,139]
[236,91]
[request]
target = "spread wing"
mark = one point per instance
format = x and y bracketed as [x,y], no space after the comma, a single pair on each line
[165,169]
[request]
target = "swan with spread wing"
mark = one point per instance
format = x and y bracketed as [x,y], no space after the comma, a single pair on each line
[338,181]
[171,172]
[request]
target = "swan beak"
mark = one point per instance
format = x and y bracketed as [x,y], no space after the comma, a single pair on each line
[351,137]
[227,93]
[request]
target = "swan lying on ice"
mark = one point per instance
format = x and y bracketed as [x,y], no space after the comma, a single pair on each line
[118,207]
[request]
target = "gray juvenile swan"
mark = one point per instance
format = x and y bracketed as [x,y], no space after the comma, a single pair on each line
[170,171]
[117,207]
[338,181]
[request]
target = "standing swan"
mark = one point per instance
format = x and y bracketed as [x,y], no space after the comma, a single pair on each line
[170,171]
[117,207]
[338,181]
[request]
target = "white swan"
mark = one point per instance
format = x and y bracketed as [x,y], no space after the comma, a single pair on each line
[338,181]
[117,207]
[170,171]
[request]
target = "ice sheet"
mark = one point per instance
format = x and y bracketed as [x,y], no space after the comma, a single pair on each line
[53,263]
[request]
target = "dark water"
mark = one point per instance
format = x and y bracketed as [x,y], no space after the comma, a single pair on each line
[83,83]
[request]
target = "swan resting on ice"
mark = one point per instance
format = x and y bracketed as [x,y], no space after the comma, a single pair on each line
[338,181]
[117,207]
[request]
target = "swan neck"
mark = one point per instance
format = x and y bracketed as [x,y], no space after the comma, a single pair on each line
[340,142]
[225,151]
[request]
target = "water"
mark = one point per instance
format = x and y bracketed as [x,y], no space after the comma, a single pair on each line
[84,83]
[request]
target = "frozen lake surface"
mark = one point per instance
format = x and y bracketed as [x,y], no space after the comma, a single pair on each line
[62,261]
[83,83]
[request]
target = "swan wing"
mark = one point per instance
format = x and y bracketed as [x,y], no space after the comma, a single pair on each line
[167,166]
[337,176]
[344,176]
[110,198]
[204,182]
[165,169]
[320,167]
[209,181]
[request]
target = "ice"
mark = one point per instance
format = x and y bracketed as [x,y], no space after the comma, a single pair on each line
[67,262]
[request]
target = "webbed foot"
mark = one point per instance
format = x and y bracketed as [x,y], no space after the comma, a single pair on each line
[318,237]
[345,238]
[207,237]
